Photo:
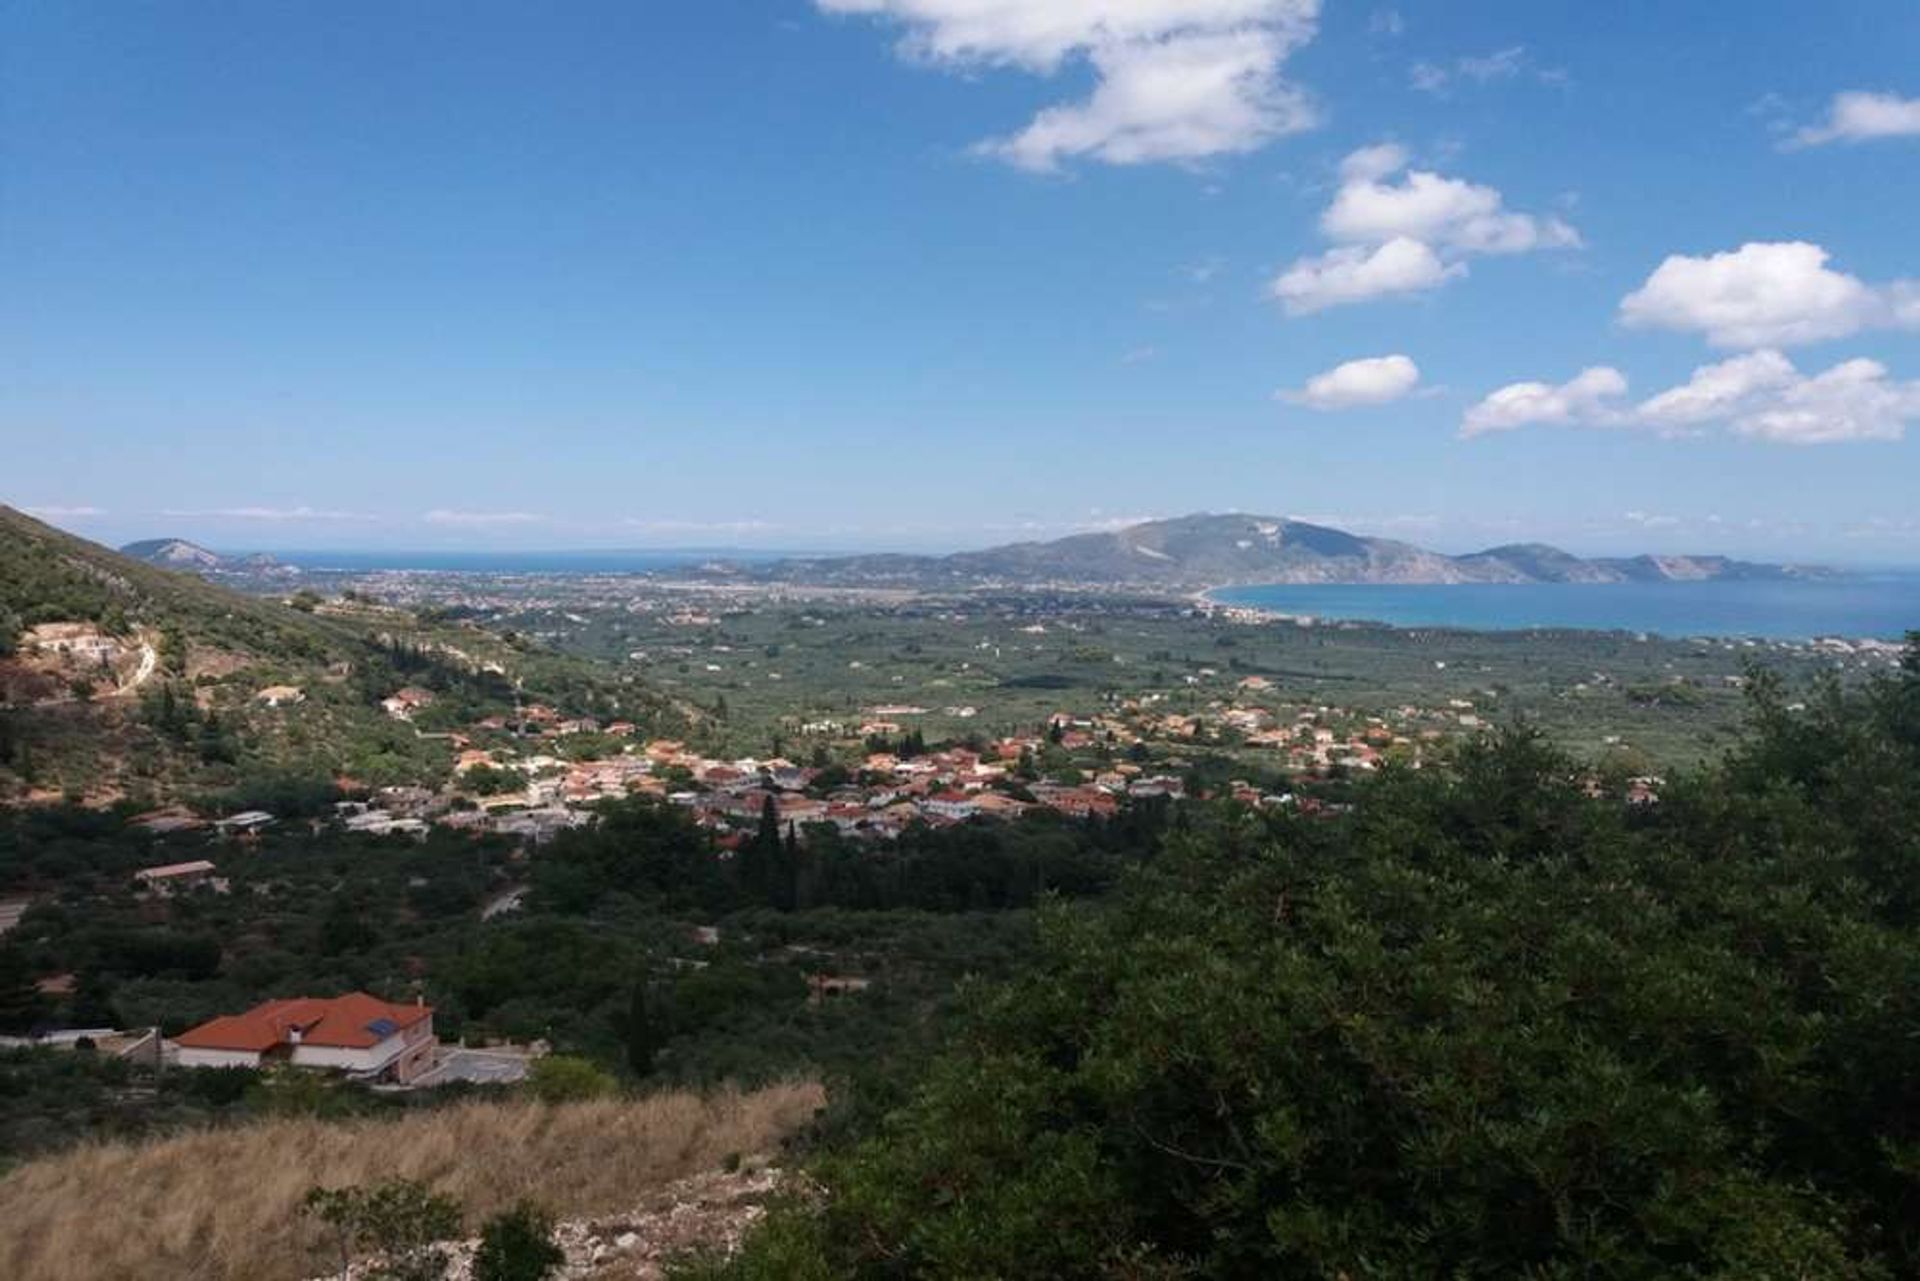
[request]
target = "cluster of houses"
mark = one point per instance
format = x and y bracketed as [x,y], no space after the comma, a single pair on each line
[537,782]
[882,796]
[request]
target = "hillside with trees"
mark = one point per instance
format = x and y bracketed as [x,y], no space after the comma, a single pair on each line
[177,701]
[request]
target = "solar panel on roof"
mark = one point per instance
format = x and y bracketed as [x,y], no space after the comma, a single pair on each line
[383,1027]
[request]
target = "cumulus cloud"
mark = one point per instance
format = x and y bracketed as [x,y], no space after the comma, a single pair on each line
[1759,396]
[1175,80]
[1854,400]
[1183,99]
[1766,295]
[1717,392]
[1359,273]
[1375,380]
[1407,234]
[1860,116]
[1447,212]
[1586,399]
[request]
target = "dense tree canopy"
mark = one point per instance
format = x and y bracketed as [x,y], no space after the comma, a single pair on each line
[1483,1026]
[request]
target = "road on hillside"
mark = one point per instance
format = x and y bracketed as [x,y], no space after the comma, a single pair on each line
[149,660]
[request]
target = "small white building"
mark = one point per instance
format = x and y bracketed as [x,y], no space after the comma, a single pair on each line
[178,876]
[355,1033]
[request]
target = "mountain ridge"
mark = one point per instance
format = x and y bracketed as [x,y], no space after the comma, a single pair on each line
[1237,549]
[182,553]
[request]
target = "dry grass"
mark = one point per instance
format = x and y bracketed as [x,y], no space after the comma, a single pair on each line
[224,1204]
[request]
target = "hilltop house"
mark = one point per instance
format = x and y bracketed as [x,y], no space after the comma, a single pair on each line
[174,877]
[356,1033]
[73,640]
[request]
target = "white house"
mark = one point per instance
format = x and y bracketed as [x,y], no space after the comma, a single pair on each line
[356,1033]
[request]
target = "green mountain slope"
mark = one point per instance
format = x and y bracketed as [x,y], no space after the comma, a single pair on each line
[122,679]
[49,576]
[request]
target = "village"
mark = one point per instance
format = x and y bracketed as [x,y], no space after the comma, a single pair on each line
[538,772]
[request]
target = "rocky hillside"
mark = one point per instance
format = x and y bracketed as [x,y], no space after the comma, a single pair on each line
[173,553]
[1207,550]
[178,553]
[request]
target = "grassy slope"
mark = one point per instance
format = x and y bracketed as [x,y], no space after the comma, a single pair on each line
[224,1204]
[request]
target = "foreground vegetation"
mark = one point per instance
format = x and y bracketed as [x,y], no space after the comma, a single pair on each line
[1486,1026]
[225,1205]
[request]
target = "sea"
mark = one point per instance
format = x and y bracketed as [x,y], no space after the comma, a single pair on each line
[1880,605]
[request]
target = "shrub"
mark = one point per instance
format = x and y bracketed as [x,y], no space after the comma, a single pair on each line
[517,1245]
[560,1078]
[402,1221]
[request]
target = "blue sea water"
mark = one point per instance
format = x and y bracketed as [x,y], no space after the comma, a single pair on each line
[1880,605]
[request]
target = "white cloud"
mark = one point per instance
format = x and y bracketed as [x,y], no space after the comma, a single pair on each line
[1852,401]
[265,514]
[1178,99]
[1447,212]
[443,516]
[1584,400]
[1370,164]
[1716,392]
[1375,380]
[1758,396]
[1175,80]
[1501,64]
[1358,273]
[1766,295]
[1859,116]
[1386,22]
[1405,236]
[58,512]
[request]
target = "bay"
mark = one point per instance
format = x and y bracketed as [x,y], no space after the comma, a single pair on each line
[1879,605]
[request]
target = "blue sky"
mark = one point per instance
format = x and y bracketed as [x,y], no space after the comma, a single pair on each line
[941,273]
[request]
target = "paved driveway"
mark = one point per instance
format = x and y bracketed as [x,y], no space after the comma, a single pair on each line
[483,1067]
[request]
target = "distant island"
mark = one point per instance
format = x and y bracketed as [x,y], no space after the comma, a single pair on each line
[1191,552]
[1185,553]
[178,553]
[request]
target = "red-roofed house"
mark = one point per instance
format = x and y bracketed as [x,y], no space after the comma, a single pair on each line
[354,1033]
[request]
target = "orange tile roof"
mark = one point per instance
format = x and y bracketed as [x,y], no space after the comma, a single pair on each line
[354,1021]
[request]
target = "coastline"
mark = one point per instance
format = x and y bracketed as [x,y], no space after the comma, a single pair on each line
[1871,613]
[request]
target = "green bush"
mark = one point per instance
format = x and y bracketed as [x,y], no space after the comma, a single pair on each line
[518,1245]
[560,1078]
[401,1222]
